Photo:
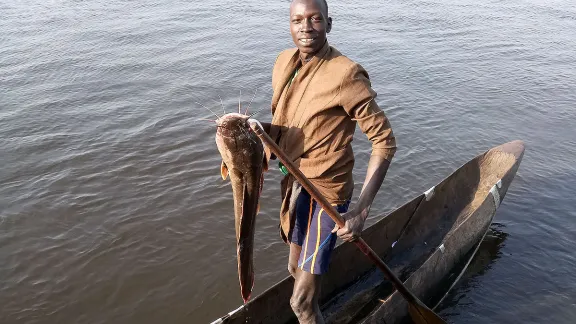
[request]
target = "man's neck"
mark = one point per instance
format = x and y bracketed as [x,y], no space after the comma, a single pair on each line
[305,58]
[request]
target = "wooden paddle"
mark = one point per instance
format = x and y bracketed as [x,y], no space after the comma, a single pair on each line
[419,312]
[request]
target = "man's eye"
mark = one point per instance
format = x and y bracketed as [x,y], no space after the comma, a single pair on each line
[296,21]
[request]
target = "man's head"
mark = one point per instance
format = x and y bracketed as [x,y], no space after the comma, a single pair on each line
[309,24]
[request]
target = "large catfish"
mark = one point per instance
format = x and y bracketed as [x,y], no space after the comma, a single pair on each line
[244,161]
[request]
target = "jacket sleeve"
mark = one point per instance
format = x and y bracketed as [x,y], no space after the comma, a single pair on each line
[359,101]
[275,72]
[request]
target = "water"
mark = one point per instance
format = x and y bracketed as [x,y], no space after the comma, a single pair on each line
[112,209]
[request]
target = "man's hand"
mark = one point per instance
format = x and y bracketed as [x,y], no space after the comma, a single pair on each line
[353,227]
[253,122]
[264,126]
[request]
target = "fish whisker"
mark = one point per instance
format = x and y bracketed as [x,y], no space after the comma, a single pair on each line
[205,119]
[250,104]
[257,112]
[222,104]
[239,100]
[210,110]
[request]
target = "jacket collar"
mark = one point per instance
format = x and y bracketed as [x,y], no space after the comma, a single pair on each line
[294,63]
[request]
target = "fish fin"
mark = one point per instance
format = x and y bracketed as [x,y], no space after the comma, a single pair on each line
[224,171]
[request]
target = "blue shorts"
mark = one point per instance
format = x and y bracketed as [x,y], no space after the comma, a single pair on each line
[313,232]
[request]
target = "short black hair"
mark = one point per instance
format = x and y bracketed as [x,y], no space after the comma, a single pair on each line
[325,3]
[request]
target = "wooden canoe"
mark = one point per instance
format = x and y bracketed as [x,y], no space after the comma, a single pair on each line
[422,242]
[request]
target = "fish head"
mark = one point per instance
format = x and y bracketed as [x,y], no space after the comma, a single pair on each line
[231,125]
[238,144]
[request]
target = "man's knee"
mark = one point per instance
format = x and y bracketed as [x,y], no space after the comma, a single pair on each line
[302,304]
[304,300]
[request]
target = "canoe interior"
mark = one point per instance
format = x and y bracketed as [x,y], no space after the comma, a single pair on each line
[459,218]
[456,214]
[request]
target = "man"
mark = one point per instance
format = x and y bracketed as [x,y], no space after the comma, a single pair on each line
[319,97]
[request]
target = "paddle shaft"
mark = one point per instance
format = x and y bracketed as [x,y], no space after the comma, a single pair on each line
[333,213]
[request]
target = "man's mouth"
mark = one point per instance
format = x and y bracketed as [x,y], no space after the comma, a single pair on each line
[306,41]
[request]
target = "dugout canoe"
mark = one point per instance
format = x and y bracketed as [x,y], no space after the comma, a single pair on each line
[422,241]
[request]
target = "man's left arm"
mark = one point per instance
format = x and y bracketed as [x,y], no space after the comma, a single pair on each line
[358,99]
[356,217]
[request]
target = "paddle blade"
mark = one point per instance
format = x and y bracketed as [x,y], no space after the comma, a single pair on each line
[421,314]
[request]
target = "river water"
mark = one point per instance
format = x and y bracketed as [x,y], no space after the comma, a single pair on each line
[112,209]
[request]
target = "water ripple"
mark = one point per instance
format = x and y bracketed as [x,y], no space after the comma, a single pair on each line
[112,209]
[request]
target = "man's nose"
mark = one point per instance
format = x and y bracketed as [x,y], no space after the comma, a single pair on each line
[306,25]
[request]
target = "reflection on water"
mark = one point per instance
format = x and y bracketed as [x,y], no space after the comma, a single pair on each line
[488,253]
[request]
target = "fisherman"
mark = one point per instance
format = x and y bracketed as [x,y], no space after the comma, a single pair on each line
[319,97]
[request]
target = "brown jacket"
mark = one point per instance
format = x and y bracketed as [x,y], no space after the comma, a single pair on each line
[314,119]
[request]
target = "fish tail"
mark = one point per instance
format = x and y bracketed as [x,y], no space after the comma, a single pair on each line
[247,224]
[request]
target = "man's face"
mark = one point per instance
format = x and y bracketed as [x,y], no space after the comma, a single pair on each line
[309,24]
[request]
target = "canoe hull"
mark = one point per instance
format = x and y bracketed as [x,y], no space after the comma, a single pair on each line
[430,234]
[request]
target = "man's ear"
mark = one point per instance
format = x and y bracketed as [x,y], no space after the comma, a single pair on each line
[329,27]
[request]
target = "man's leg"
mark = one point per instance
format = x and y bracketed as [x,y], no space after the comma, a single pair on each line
[306,291]
[307,274]
[312,242]
[304,300]
[295,250]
